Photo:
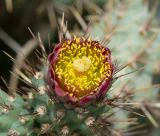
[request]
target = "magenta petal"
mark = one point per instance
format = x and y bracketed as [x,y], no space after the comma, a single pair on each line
[86,100]
[101,93]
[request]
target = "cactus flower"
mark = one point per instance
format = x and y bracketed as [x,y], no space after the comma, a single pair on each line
[80,70]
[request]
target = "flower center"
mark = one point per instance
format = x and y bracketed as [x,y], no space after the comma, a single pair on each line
[82,64]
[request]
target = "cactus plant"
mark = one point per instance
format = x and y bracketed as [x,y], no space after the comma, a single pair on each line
[64,110]
[61,97]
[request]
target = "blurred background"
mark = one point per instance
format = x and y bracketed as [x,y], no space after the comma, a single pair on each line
[132,26]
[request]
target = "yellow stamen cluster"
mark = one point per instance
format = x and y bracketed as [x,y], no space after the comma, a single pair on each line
[81,67]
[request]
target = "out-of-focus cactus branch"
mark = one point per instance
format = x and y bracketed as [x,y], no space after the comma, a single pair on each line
[9,5]
[10,42]
[28,47]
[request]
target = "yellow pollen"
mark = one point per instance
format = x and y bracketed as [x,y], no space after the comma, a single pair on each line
[82,64]
[81,67]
